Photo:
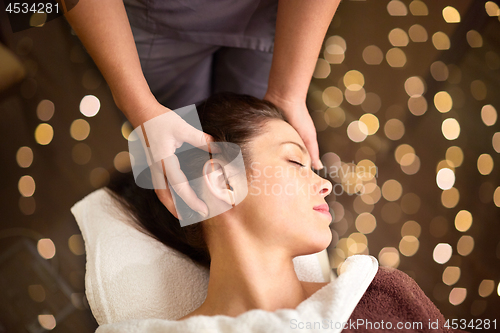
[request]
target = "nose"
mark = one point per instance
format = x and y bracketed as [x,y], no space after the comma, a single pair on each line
[325,186]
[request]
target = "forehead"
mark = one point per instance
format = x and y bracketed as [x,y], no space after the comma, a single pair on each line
[275,132]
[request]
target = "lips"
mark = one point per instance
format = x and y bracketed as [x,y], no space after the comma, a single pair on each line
[322,208]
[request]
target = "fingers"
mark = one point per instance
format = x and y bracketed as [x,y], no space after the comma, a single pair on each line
[199,139]
[308,135]
[166,199]
[161,188]
[311,143]
[181,186]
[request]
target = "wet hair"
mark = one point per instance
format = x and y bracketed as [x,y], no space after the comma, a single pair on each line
[227,117]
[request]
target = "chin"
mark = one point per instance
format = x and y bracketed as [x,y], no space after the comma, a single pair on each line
[319,240]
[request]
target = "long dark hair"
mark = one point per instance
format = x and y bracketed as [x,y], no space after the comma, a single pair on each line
[227,117]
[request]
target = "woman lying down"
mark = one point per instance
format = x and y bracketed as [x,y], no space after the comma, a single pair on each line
[249,249]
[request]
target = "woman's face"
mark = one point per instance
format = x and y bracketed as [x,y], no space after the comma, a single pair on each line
[285,205]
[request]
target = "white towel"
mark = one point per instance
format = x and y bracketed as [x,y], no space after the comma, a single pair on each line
[130,275]
[325,311]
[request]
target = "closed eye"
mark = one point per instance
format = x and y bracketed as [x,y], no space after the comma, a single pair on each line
[298,163]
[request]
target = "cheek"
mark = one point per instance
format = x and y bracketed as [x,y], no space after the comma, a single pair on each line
[282,195]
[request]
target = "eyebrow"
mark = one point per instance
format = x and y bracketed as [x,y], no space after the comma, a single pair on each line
[304,150]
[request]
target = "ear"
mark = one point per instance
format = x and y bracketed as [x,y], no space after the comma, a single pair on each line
[216,182]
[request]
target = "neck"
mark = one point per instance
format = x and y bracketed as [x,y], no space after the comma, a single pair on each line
[246,276]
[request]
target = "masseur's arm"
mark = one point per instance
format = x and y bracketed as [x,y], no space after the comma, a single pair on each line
[300,30]
[104,30]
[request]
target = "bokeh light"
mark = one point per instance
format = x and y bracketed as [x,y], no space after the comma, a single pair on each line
[492,10]
[409,245]
[26,186]
[443,101]
[356,131]
[395,57]
[44,133]
[414,86]
[76,245]
[45,110]
[496,196]
[451,15]
[457,295]
[439,71]
[47,321]
[354,80]
[450,128]
[450,197]
[394,129]
[489,115]
[90,105]
[417,105]
[418,34]
[486,288]
[38,19]
[46,248]
[445,178]
[418,8]
[455,156]
[465,245]
[389,257]
[392,190]
[24,157]
[463,220]
[398,37]
[335,47]
[322,69]
[442,253]
[411,228]
[396,8]
[365,223]
[332,96]
[334,117]
[355,97]
[122,162]
[371,122]
[474,39]
[372,55]
[485,164]
[79,129]
[495,142]
[451,275]
[440,41]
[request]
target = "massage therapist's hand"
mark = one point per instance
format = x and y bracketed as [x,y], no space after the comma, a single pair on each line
[164,136]
[298,116]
